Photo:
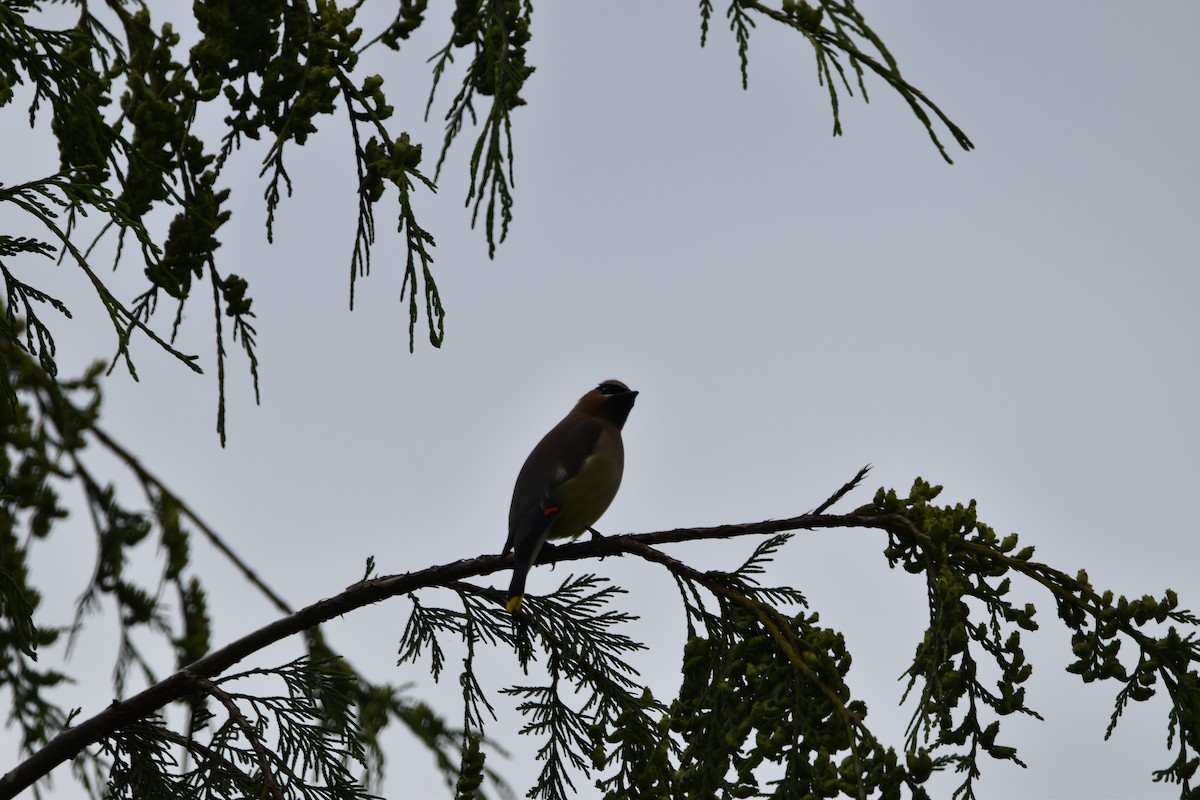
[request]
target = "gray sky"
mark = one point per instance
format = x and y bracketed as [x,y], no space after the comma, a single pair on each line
[1019,327]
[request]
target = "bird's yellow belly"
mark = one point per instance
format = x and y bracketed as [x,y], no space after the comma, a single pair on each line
[584,498]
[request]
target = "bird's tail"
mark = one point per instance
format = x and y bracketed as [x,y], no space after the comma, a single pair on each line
[516,589]
[526,553]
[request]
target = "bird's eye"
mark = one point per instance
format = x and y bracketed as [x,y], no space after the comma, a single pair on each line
[610,388]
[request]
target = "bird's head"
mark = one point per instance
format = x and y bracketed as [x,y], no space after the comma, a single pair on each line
[611,400]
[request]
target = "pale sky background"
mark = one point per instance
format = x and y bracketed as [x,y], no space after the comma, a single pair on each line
[1019,327]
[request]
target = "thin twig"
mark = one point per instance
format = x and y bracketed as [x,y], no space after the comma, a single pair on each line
[264,758]
[849,486]
[148,477]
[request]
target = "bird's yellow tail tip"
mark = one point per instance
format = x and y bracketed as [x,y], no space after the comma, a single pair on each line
[514,603]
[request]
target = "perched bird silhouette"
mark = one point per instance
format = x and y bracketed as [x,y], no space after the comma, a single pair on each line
[569,479]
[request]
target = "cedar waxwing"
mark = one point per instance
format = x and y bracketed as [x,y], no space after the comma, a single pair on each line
[569,479]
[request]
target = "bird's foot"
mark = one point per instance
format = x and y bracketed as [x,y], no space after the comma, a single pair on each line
[547,550]
[595,533]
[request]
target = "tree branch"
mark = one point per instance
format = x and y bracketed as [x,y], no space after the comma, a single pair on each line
[148,479]
[181,684]
[264,759]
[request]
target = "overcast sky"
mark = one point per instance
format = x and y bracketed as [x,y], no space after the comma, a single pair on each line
[1020,327]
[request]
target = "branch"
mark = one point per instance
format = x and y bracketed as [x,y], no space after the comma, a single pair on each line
[148,479]
[264,759]
[1069,590]
[181,684]
[848,487]
[774,623]
[836,38]
[770,618]
[150,482]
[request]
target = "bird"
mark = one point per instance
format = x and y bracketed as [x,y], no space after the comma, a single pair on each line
[569,479]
